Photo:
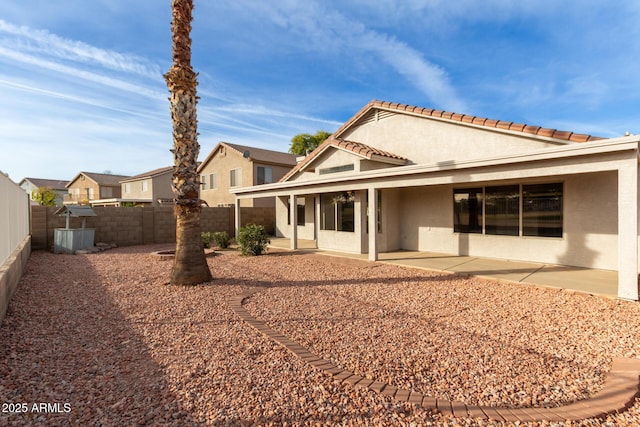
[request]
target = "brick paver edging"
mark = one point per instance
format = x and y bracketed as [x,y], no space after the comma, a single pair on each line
[620,389]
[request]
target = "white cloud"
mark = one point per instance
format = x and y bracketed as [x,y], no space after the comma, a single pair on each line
[45,43]
[329,30]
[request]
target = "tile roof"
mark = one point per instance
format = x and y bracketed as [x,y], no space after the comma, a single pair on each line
[355,147]
[363,149]
[55,184]
[101,178]
[463,118]
[262,155]
[149,174]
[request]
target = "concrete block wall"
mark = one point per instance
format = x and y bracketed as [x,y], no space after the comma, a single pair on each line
[261,216]
[140,226]
[218,219]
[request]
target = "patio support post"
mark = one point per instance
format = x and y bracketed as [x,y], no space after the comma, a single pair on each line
[628,228]
[373,224]
[293,214]
[237,219]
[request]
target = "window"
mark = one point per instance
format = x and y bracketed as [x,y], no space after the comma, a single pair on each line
[300,204]
[337,210]
[105,192]
[265,175]
[542,210]
[502,210]
[235,177]
[144,185]
[209,182]
[467,210]
[127,188]
[336,169]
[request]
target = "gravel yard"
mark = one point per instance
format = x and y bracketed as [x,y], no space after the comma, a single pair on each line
[100,340]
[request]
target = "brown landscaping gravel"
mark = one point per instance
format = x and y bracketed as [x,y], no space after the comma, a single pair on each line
[101,339]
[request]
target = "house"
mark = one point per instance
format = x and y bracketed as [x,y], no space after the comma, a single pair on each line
[58,186]
[231,166]
[397,177]
[151,188]
[89,186]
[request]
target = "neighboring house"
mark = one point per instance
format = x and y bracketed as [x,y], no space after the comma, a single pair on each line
[89,186]
[151,188]
[231,166]
[430,180]
[58,186]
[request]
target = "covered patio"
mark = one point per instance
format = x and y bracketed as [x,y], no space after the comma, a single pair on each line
[574,279]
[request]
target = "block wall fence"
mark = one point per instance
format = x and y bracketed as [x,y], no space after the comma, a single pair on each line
[141,225]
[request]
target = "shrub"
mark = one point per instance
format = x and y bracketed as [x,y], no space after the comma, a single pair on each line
[253,239]
[207,237]
[222,239]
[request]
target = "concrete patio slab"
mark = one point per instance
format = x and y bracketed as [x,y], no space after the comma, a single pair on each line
[589,281]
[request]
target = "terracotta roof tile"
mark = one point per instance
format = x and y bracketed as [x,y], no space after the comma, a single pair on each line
[561,134]
[355,147]
[546,132]
[429,112]
[519,127]
[580,137]
[531,129]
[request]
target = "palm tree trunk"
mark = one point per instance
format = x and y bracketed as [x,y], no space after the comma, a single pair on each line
[190,265]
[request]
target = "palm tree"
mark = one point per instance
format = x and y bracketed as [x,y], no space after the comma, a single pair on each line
[190,265]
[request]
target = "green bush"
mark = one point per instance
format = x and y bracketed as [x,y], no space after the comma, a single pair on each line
[222,239]
[253,239]
[207,237]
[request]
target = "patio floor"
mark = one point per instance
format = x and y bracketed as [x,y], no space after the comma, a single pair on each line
[585,280]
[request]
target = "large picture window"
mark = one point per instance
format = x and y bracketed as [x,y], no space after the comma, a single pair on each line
[337,210]
[467,210]
[510,210]
[502,210]
[542,210]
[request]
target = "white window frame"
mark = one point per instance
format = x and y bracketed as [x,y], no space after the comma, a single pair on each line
[235,177]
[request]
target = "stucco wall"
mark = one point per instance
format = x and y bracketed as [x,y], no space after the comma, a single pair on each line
[590,226]
[283,228]
[430,141]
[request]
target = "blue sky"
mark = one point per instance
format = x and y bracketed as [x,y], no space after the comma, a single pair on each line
[82,88]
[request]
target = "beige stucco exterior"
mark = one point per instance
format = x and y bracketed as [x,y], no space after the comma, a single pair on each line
[88,186]
[148,188]
[225,158]
[599,181]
